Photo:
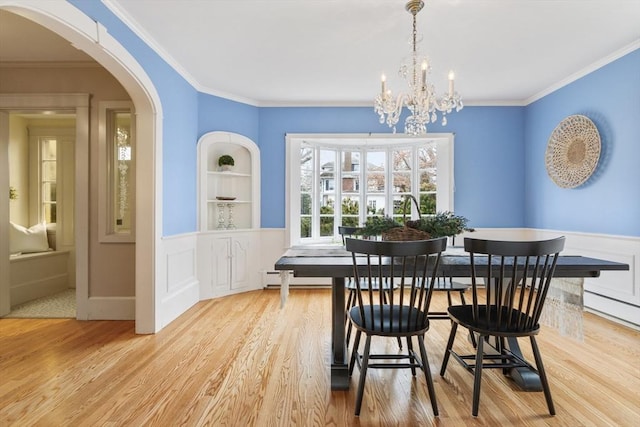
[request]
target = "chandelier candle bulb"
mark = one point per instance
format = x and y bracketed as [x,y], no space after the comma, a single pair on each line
[384,84]
[451,77]
[424,73]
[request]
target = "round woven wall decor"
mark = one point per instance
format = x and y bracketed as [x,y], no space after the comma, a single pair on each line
[573,151]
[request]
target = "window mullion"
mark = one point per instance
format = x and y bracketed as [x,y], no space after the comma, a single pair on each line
[337,209]
[388,191]
[362,190]
[317,190]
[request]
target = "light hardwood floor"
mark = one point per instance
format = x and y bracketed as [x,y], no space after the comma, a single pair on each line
[241,361]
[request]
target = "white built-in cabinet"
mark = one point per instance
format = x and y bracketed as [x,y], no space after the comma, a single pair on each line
[228,215]
[231,259]
[229,199]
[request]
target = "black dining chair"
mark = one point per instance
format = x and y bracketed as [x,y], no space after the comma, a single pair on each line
[349,284]
[516,288]
[413,267]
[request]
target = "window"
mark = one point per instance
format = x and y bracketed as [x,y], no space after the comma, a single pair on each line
[117,172]
[48,178]
[322,197]
[51,169]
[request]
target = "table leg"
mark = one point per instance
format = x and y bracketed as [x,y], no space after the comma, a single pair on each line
[284,287]
[525,378]
[339,357]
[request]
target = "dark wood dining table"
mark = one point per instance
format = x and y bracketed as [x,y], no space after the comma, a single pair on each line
[336,263]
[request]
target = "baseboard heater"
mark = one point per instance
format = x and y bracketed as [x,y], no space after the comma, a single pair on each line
[271,280]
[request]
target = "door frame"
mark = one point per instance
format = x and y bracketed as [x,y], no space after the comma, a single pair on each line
[79,104]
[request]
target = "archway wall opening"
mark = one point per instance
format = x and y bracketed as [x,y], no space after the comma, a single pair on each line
[86,34]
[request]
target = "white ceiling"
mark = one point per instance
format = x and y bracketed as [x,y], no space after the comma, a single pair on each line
[332,52]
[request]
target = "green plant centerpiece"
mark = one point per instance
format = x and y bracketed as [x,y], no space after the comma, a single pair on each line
[226,162]
[442,224]
[376,225]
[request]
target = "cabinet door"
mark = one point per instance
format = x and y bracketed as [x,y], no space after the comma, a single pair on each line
[240,247]
[221,274]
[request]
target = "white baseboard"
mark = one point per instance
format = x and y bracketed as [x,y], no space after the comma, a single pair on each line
[176,303]
[111,308]
[616,311]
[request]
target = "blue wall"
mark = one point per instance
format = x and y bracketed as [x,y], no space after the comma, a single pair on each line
[179,128]
[220,114]
[500,176]
[609,202]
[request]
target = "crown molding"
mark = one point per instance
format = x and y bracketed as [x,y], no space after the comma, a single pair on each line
[587,70]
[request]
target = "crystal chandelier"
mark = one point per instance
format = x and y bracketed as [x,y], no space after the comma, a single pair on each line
[421,99]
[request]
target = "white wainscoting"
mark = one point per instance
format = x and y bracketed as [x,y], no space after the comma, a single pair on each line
[179,287]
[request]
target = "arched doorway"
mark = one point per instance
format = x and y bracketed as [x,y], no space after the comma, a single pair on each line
[65,20]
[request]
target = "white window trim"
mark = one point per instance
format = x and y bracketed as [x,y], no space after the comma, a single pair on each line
[445,173]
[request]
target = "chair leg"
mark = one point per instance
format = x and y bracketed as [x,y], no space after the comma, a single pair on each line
[477,377]
[447,351]
[472,339]
[543,375]
[411,358]
[363,373]
[354,352]
[427,374]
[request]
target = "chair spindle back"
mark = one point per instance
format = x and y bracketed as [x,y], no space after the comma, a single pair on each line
[411,265]
[521,272]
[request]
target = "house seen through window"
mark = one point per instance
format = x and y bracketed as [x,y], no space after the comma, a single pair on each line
[344,181]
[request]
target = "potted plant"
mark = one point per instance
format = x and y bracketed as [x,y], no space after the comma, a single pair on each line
[226,162]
